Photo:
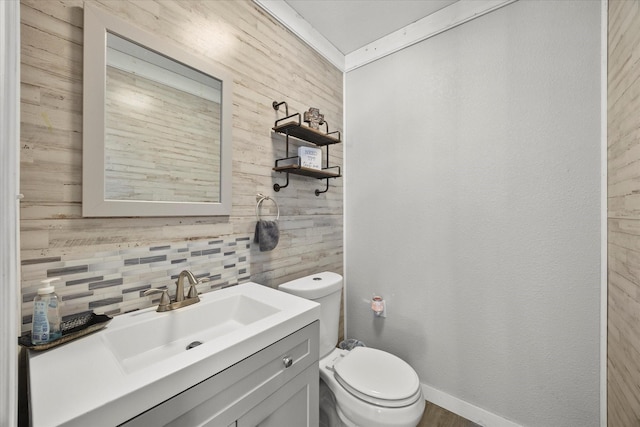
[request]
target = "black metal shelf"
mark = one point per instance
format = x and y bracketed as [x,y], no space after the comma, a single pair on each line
[312,173]
[305,133]
[292,126]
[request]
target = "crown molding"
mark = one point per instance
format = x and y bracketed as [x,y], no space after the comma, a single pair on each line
[288,17]
[445,19]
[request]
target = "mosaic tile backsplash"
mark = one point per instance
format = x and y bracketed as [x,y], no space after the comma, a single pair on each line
[113,282]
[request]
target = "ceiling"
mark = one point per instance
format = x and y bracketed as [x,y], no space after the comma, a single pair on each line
[352,24]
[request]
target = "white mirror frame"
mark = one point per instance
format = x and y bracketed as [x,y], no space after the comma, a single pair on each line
[94,204]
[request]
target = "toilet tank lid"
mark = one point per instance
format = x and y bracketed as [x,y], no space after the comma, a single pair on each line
[314,286]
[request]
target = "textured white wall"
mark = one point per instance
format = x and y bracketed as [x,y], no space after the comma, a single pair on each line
[472,206]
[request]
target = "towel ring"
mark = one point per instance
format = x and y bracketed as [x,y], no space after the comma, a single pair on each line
[261,198]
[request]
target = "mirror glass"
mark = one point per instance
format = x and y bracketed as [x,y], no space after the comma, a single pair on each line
[156,126]
[162,134]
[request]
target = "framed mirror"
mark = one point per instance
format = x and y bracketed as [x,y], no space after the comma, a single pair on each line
[156,125]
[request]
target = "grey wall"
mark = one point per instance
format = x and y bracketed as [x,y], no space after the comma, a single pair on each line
[473,205]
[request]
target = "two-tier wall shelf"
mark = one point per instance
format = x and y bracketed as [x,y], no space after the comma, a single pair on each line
[291,125]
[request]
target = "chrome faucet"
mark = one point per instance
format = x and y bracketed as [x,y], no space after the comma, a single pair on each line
[192,296]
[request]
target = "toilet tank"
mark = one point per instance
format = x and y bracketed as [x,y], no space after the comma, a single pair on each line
[326,289]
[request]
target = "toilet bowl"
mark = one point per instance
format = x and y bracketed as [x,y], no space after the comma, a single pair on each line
[364,387]
[372,388]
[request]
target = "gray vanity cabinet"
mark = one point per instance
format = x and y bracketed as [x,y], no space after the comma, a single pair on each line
[276,386]
[292,405]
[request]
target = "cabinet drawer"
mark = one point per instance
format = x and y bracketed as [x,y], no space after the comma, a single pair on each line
[223,398]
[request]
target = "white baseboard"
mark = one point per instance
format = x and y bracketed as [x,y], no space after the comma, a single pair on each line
[465,409]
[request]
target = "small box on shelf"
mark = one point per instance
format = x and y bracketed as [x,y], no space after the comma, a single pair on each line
[310,157]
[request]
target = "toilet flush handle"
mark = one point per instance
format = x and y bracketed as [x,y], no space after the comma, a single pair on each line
[288,361]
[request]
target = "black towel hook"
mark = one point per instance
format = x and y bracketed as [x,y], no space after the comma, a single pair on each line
[261,198]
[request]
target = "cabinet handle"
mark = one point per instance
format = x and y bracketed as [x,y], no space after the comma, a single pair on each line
[288,361]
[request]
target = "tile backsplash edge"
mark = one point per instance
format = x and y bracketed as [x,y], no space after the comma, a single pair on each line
[113,282]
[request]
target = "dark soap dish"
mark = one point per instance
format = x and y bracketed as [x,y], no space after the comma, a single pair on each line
[72,327]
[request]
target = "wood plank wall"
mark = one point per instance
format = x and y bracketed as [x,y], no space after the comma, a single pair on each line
[267,63]
[623,164]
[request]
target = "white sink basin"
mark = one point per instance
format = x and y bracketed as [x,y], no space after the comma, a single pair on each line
[140,359]
[157,337]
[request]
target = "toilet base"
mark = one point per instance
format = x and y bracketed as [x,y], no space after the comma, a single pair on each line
[345,410]
[328,415]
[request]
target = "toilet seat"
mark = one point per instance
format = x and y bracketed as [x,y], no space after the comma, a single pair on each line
[377,377]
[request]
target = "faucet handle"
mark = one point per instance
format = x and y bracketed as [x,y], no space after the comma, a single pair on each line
[193,291]
[164,298]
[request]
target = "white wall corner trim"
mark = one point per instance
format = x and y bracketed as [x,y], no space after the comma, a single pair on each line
[465,409]
[9,182]
[444,19]
[604,52]
[288,17]
[345,183]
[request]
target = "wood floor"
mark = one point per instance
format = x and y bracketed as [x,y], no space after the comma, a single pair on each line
[435,416]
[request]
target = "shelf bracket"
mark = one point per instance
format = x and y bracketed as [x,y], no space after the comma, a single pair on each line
[276,106]
[318,192]
[277,187]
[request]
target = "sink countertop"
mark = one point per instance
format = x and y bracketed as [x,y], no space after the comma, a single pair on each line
[82,383]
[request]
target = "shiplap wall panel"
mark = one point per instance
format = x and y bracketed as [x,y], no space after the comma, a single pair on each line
[267,63]
[623,164]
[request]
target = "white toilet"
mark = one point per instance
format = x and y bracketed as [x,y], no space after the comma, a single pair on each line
[365,387]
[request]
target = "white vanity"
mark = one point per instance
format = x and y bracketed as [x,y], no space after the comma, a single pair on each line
[252,360]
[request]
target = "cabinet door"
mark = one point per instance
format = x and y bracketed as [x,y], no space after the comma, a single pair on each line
[228,395]
[295,404]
